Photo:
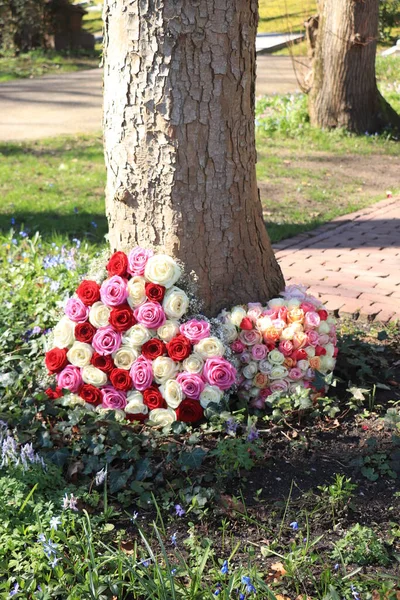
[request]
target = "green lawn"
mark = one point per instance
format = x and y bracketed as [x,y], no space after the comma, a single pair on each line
[284,15]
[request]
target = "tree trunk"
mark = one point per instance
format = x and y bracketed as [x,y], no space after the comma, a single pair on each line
[180,144]
[344,91]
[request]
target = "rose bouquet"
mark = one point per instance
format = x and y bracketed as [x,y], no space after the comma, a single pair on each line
[282,346]
[124,345]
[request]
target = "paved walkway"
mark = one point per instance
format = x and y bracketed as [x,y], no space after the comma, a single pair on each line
[71,103]
[352,263]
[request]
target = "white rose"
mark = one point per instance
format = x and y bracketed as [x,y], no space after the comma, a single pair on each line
[276,358]
[118,413]
[278,372]
[94,376]
[137,291]
[210,394]
[276,303]
[324,327]
[294,387]
[250,370]
[136,336]
[80,354]
[193,363]
[264,366]
[209,347]
[287,333]
[125,357]
[71,400]
[229,332]
[327,363]
[293,303]
[172,392]
[330,349]
[237,315]
[310,350]
[169,330]
[99,314]
[64,333]
[163,270]
[264,323]
[175,303]
[331,320]
[162,416]
[164,368]
[303,365]
[296,326]
[134,403]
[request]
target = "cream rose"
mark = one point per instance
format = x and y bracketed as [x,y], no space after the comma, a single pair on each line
[278,372]
[210,394]
[117,412]
[169,330]
[125,357]
[134,403]
[287,334]
[94,376]
[137,291]
[276,303]
[264,323]
[136,336]
[80,354]
[99,314]
[209,347]
[276,358]
[237,315]
[293,303]
[303,365]
[175,303]
[164,368]
[193,363]
[324,327]
[330,349]
[162,416]
[229,332]
[71,400]
[250,370]
[64,333]
[163,270]
[296,326]
[327,363]
[310,351]
[172,392]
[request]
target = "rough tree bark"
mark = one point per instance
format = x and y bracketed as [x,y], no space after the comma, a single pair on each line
[344,91]
[179,141]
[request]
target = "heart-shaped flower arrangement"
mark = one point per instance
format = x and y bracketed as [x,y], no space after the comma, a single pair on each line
[125,344]
[281,346]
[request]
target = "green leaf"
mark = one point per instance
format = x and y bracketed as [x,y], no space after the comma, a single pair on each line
[192,459]
[382,335]
[118,479]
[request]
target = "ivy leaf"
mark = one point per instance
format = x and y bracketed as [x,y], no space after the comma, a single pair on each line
[118,479]
[382,335]
[143,469]
[193,459]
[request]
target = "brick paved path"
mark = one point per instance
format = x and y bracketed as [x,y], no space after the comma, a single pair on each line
[352,263]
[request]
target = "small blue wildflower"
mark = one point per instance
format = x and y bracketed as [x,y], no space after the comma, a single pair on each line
[179,510]
[12,220]
[14,241]
[242,597]
[173,571]
[54,286]
[354,593]
[336,567]
[77,242]
[70,502]
[14,590]
[53,563]
[225,568]
[252,434]
[294,525]
[231,425]
[250,589]
[94,224]
[246,580]
[173,539]
[23,234]
[146,563]
[217,592]
[55,522]
[76,210]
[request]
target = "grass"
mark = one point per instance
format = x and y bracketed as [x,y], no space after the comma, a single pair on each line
[278,16]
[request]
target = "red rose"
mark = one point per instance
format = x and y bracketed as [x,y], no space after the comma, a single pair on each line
[121,379]
[189,411]
[136,417]
[56,359]
[89,292]
[153,348]
[246,324]
[91,394]
[299,355]
[179,348]
[153,399]
[320,351]
[104,363]
[118,264]
[53,394]
[121,317]
[323,314]
[155,292]
[335,352]
[84,332]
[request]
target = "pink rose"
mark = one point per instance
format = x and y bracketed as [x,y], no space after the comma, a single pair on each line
[237,346]
[195,330]
[279,324]
[113,398]
[114,291]
[310,374]
[257,402]
[282,313]
[286,347]
[218,371]
[70,378]
[250,337]
[295,374]
[299,340]
[265,393]
[137,260]
[141,373]
[106,340]
[150,314]
[311,320]
[279,385]
[312,337]
[76,310]
[259,351]
[323,340]
[270,312]
[254,311]
[192,385]
[306,307]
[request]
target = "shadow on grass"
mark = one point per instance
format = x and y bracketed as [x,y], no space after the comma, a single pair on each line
[279,17]
[89,148]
